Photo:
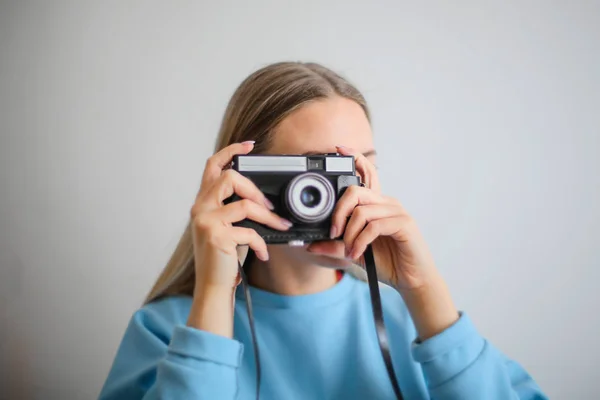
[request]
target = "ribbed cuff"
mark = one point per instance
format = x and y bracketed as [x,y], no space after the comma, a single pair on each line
[191,342]
[450,352]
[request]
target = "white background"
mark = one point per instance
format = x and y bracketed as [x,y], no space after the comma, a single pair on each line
[487,124]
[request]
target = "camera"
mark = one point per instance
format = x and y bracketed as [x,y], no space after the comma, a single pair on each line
[303,189]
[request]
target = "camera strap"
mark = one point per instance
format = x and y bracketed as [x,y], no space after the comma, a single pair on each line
[246,288]
[377,317]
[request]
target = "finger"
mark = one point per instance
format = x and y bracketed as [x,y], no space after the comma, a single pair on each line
[374,229]
[231,182]
[354,196]
[361,216]
[247,209]
[218,161]
[365,168]
[248,237]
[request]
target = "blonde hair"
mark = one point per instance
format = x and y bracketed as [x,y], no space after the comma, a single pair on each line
[257,106]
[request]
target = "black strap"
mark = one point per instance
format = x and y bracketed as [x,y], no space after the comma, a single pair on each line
[246,288]
[378,318]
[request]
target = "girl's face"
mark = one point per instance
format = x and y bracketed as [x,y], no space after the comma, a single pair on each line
[317,128]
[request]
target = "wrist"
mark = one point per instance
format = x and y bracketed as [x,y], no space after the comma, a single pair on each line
[431,308]
[203,290]
[212,310]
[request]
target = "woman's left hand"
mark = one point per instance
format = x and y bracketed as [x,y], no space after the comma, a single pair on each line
[401,255]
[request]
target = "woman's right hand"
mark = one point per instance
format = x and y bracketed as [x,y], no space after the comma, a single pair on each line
[214,236]
[216,239]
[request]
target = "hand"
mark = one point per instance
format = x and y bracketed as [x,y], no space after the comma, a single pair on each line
[401,255]
[215,238]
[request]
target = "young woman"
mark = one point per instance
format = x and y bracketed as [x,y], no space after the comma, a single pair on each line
[314,325]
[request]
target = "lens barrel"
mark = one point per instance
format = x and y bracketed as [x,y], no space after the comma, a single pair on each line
[310,197]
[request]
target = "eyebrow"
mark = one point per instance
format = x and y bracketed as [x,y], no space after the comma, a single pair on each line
[367,153]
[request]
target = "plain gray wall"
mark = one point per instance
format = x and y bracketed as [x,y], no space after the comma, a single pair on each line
[486,119]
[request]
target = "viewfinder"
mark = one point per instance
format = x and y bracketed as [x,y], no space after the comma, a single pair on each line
[315,163]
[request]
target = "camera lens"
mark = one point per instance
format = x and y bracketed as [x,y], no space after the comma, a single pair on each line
[310,196]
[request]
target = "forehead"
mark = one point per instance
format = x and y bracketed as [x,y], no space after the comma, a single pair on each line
[319,126]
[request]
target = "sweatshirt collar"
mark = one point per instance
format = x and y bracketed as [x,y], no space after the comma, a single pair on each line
[262,298]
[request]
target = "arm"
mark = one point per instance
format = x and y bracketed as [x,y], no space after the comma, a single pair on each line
[457,362]
[158,360]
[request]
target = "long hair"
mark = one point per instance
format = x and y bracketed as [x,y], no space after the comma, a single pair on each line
[257,106]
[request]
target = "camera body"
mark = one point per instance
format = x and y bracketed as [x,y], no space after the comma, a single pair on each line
[303,189]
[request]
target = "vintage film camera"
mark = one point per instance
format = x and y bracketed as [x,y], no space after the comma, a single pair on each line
[303,189]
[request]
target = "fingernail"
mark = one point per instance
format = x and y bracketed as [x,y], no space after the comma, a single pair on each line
[333,232]
[265,256]
[249,142]
[286,223]
[269,205]
[341,147]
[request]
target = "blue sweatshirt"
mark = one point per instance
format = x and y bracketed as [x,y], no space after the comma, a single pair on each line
[318,346]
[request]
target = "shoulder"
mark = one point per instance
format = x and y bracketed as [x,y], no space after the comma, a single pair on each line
[161,316]
[177,307]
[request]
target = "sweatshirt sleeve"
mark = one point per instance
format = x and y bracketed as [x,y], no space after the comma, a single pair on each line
[460,364]
[157,361]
